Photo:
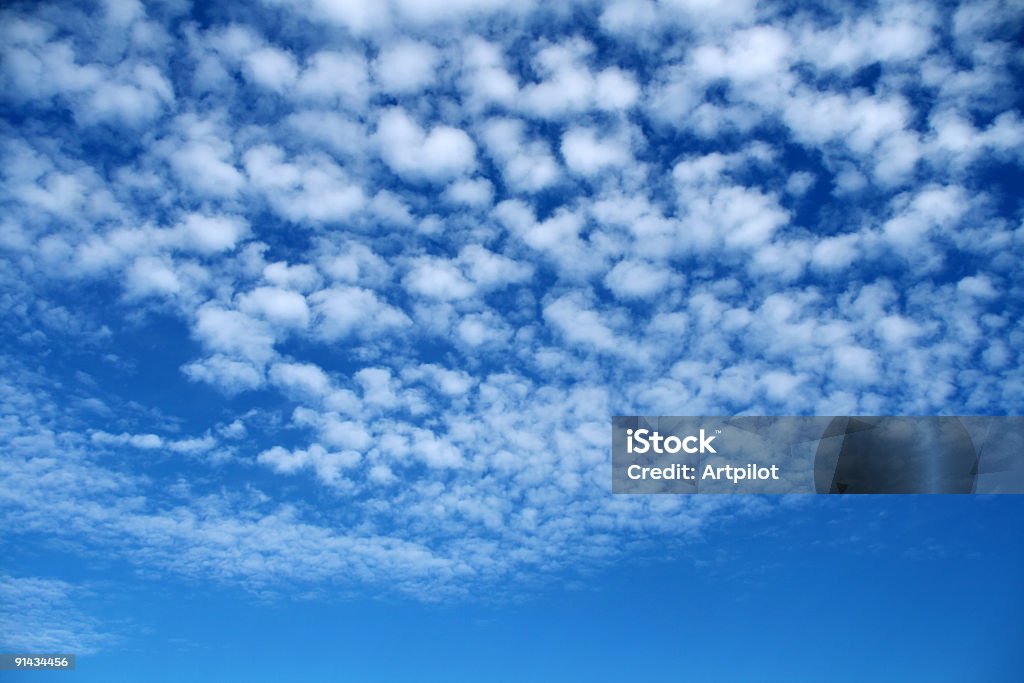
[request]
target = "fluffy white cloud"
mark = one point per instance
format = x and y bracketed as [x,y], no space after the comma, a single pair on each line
[328,465]
[558,235]
[526,165]
[478,330]
[277,306]
[486,79]
[144,441]
[628,17]
[341,311]
[438,279]
[406,66]
[748,55]
[581,325]
[203,160]
[152,276]
[228,374]
[272,68]
[359,16]
[474,192]
[711,14]
[637,279]
[488,269]
[587,154]
[353,262]
[233,333]
[335,77]
[211,234]
[855,364]
[305,189]
[302,277]
[304,378]
[569,85]
[448,382]
[440,154]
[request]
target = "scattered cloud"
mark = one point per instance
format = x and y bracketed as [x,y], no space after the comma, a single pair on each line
[406,258]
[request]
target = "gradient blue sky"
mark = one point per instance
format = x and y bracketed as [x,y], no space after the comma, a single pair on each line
[315,314]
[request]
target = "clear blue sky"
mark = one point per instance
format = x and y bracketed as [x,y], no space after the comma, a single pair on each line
[314,315]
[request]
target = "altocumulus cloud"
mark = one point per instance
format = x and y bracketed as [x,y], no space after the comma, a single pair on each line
[344,293]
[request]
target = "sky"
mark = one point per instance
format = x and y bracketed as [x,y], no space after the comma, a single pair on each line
[315,314]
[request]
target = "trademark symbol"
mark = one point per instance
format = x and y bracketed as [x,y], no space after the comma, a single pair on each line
[718,431]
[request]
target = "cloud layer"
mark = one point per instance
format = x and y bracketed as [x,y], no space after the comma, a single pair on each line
[346,292]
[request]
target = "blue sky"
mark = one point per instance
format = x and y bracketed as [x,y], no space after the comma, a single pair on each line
[315,314]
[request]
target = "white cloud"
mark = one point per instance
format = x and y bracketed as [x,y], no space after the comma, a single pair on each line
[359,16]
[379,387]
[328,465]
[448,382]
[486,79]
[631,279]
[587,154]
[230,375]
[799,183]
[855,364]
[382,474]
[191,446]
[231,332]
[202,161]
[897,330]
[135,99]
[277,306]
[272,68]
[615,89]
[142,441]
[407,66]
[755,59]
[931,209]
[304,189]
[581,325]
[301,278]
[440,12]
[526,165]
[489,270]
[211,234]
[440,154]
[903,32]
[152,276]
[708,13]
[629,17]
[305,378]
[340,312]
[353,262]
[556,234]
[335,76]
[123,12]
[978,287]
[438,278]
[478,330]
[473,192]
[568,84]
[837,252]
[235,430]
[742,217]
[41,614]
